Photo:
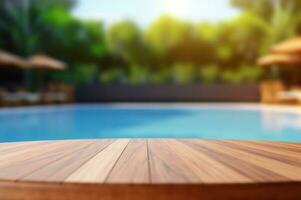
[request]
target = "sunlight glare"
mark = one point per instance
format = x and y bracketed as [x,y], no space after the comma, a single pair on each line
[175,7]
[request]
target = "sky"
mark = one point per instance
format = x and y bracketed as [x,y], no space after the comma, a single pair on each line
[144,12]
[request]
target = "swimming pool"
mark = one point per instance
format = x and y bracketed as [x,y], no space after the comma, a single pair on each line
[150,121]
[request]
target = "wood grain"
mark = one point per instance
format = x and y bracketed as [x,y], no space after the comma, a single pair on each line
[29,163]
[98,167]
[275,166]
[132,166]
[60,169]
[155,161]
[209,170]
[250,170]
[15,146]
[166,166]
[9,159]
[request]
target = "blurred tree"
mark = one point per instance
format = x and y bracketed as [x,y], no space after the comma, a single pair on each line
[200,45]
[283,16]
[244,74]
[165,34]
[125,40]
[84,47]
[33,26]
[209,74]
[22,20]
[114,75]
[195,47]
[268,8]
[183,73]
[240,40]
[169,50]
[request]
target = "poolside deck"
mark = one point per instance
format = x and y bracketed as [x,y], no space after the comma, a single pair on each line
[139,169]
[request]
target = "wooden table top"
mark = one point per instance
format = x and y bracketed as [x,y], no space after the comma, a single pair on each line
[156,161]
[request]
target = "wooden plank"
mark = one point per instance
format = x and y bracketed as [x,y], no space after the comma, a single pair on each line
[168,167]
[98,167]
[252,171]
[31,152]
[279,144]
[60,169]
[15,146]
[206,167]
[132,167]
[291,147]
[19,147]
[152,161]
[293,158]
[185,160]
[22,168]
[275,166]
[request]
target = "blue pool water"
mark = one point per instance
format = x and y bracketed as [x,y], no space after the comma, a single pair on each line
[98,121]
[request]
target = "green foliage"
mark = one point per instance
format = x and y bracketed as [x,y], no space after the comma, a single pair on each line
[267,9]
[209,74]
[57,16]
[245,74]
[207,32]
[112,76]
[85,73]
[224,52]
[48,27]
[125,40]
[161,76]
[165,33]
[138,75]
[77,75]
[167,51]
[241,40]
[122,35]
[251,74]
[231,76]
[282,17]
[183,73]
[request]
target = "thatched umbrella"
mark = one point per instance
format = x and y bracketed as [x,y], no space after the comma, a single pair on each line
[42,62]
[7,59]
[46,62]
[284,61]
[11,63]
[279,59]
[291,46]
[285,54]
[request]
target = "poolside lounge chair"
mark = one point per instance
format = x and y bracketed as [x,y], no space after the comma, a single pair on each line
[291,96]
[58,93]
[19,98]
[30,98]
[54,97]
[10,99]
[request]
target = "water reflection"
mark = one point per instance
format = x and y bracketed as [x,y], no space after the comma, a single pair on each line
[279,122]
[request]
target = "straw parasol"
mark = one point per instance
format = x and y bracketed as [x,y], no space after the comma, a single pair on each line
[7,59]
[279,59]
[291,46]
[286,54]
[45,62]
